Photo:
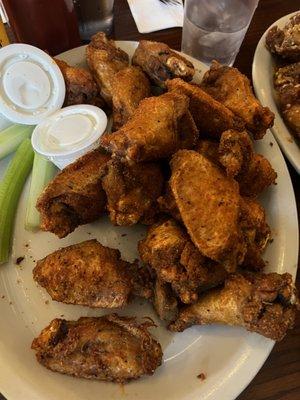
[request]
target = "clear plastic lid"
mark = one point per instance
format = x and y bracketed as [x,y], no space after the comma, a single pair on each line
[31,84]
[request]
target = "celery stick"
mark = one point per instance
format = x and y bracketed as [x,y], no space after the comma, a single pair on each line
[42,172]
[10,190]
[12,137]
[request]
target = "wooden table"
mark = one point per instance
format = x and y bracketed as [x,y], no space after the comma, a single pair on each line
[279,379]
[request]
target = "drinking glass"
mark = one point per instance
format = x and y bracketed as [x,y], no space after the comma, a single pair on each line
[215,29]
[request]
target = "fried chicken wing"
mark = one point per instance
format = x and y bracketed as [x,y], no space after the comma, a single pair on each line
[132,191]
[285,42]
[253,171]
[104,60]
[153,132]
[231,88]
[75,196]
[108,348]
[208,203]
[87,274]
[169,251]
[160,63]
[80,86]
[129,87]
[262,303]
[210,116]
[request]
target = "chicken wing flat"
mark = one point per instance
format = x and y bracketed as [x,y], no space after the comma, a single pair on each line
[164,302]
[75,196]
[87,274]
[285,42]
[132,191]
[262,303]
[104,60]
[108,348]
[160,63]
[175,260]
[153,132]
[129,87]
[80,86]
[210,116]
[231,88]
[253,171]
[209,205]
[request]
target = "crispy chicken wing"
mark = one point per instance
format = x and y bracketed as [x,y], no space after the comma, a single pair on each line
[209,205]
[87,274]
[75,196]
[161,63]
[169,251]
[132,191]
[108,348]
[154,131]
[262,303]
[104,60]
[129,87]
[210,116]
[80,86]
[231,88]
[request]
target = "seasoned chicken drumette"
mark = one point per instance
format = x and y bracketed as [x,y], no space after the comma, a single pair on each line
[104,60]
[90,274]
[211,117]
[160,63]
[129,87]
[80,86]
[75,196]
[174,258]
[231,88]
[132,191]
[156,130]
[262,303]
[108,348]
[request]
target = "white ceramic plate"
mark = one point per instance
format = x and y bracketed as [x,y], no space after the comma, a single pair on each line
[262,74]
[229,357]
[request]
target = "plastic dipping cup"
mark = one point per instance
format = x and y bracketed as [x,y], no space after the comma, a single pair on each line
[215,29]
[69,133]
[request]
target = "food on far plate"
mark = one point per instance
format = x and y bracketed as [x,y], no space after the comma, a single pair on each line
[154,131]
[262,303]
[108,348]
[80,86]
[104,60]
[168,250]
[285,42]
[129,87]
[132,191]
[75,196]
[287,86]
[231,88]
[211,116]
[161,63]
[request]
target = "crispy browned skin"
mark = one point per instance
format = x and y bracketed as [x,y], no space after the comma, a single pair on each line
[161,63]
[80,86]
[169,251]
[132,191]
[108,348]
[253,171]
[285,42]
[104,60]
[231,88]
[167,204]
[210,116]
[129,87]
[75,196]
[87,274]
[262,303]
[164,301]
[153,132]
[208,202]
[287,86]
